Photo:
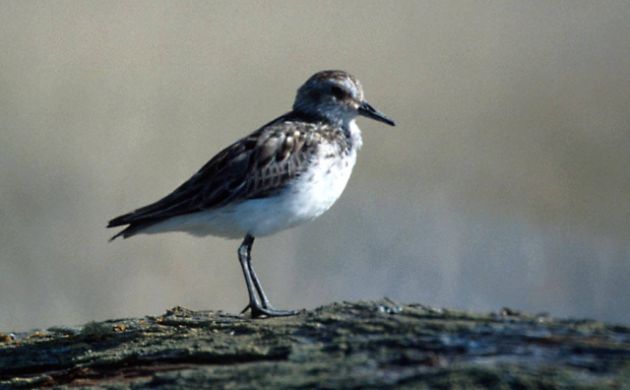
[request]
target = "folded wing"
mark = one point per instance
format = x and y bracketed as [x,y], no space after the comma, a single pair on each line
[256,166]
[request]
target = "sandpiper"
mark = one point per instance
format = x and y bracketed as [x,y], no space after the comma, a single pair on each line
[289,171]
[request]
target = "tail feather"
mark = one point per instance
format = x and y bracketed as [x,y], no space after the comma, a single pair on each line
[119,234]
[134,222]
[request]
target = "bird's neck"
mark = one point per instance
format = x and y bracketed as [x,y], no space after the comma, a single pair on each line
[341,120]
[353,133]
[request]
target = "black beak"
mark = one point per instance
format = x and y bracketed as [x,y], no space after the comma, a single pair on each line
[368,111]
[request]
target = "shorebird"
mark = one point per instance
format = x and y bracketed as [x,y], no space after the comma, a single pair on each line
[289,171]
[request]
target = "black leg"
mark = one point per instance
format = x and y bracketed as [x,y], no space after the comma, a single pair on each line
[243,257]
[254,288]
[264,301]
[263,297]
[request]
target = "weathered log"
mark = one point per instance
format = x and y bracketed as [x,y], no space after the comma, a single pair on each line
[342,345]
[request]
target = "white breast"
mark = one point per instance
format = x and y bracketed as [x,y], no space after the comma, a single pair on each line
[319,188]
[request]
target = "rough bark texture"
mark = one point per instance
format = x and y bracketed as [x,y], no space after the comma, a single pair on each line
[343,345]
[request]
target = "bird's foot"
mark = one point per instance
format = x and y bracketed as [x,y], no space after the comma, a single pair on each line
[268,311]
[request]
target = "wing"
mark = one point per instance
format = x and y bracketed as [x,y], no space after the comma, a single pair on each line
[256,166]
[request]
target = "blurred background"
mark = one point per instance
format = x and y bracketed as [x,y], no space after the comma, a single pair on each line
[505,183]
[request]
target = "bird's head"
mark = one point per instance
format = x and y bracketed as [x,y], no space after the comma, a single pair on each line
[336,96]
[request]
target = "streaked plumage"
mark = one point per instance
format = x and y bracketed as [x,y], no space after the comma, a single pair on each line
[289,171]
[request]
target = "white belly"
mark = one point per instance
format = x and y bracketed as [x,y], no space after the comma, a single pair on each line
[314,192]
[308,197]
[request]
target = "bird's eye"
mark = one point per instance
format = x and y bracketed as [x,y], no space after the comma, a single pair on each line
[337,92]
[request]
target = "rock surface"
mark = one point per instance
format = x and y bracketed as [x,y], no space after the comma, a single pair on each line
[343,345]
